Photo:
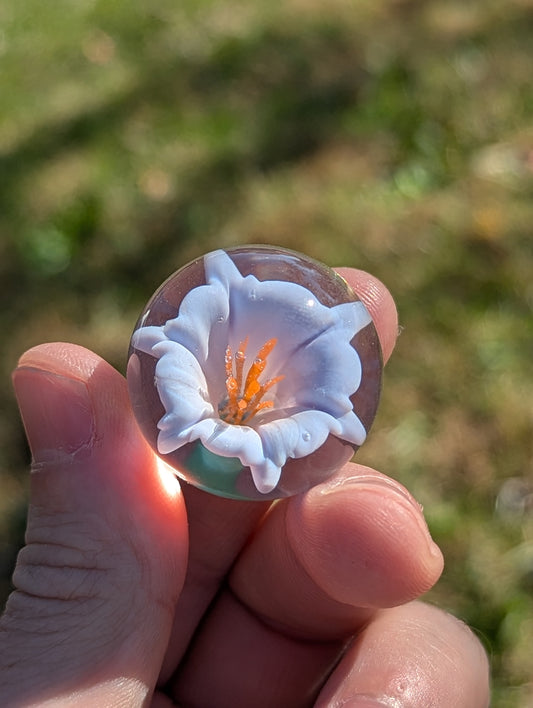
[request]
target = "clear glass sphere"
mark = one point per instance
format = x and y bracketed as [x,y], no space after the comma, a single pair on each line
[255,372]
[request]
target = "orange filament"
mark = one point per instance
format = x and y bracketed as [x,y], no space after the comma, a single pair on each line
[243,400]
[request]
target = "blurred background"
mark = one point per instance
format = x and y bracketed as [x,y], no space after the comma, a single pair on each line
[392,135]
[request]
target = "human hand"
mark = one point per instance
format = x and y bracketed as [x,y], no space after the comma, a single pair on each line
[132,592]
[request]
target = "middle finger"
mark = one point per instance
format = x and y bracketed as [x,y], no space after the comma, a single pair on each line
[312,575]
[322,561]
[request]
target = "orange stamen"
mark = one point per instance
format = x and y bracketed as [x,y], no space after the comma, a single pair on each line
[243,400]
[240,358]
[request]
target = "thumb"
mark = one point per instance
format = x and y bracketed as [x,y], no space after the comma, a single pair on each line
[97,582]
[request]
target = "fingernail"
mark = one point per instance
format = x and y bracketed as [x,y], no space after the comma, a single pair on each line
[56,411]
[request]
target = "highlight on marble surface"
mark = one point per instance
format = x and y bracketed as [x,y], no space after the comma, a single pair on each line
[255,372]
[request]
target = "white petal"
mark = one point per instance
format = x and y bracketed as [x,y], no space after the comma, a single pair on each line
[327,369]
[266,475]
[232,441]
[204,311]
[325,373]
[202,314]
[296,436]
[354,314]
[351,429]
[176,363]
[313,351]
[274,309]
[182,389]
[171,439]
[219,268]
[202,324]
[145,338]
[235,441]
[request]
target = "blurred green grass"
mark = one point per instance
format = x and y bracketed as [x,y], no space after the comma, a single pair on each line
[395,136]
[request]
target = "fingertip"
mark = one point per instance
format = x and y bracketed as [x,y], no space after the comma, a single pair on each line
[57,413]
[379,302]
[61,358]
[77,413]
[48,374]
[414,655]
[364,541]
[322,563]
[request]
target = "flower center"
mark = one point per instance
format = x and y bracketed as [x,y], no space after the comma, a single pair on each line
[244,394]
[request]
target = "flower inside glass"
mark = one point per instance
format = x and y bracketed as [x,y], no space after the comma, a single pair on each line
[255,372]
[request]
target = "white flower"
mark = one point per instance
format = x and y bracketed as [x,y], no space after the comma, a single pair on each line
[258,370]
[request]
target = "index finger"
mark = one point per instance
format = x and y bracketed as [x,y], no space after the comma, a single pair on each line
[323,561]
[312,575]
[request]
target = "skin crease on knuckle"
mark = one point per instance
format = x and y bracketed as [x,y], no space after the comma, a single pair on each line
[58,586]
[77,612]
[75,584]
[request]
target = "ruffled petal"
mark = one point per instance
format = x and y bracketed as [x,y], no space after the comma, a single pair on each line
[219,268]
[351,429]
[232,441]
[173,437]
[275,309]
[237,441]
[202,323]
[145,338]
[327,369]
[202,319]
[182,389]
[296,436]
[266,475]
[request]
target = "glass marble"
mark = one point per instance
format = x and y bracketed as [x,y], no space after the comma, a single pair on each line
[255,372]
